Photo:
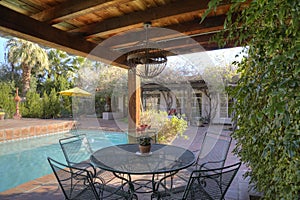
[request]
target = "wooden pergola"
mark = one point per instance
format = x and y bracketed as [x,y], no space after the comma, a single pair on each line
[104,29]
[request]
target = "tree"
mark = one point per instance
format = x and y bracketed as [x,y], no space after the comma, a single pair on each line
[59,74]
[29,56]
[218,79]
[63,64]
[267,95]
[109,78]
[7,75]
[106,80]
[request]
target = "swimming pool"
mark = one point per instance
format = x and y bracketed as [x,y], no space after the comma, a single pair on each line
[25,160]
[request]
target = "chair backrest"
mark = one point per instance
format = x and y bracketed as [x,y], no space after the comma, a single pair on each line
[210,184]
[214,151]
[75,183]
[76,148]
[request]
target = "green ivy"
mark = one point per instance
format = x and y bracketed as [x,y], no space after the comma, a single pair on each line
[268,93]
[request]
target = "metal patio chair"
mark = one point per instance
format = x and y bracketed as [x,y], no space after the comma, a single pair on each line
[77,184]
[214,151]
[211,155]
[77,152]
[202,184]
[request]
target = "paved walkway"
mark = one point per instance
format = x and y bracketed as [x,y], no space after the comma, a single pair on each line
[47,188]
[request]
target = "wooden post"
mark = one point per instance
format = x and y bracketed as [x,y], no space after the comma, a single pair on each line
[134,107]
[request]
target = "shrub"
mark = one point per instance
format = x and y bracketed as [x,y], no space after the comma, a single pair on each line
[154,118]
[166,128]
[173,127]
[51,104]
[7,103]
[32,107]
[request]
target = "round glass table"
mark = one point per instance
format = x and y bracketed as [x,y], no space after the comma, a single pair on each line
[126,159]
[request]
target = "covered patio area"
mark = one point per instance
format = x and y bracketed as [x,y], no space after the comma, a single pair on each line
[109,31]
[47,187]
[267,94]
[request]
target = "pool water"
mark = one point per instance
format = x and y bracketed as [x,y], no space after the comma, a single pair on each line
[25,160]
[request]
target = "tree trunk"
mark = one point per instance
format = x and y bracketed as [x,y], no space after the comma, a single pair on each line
[107,106]
[168,99]
[26,79]
[12,71]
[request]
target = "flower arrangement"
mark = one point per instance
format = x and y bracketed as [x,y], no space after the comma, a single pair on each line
[143,127]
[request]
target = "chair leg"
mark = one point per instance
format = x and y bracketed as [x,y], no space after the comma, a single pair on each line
[153,196]
[134,196]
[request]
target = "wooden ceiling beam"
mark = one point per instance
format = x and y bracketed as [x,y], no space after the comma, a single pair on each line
[194,27]
[195,40]
[181,46]
[22,26]
[190,26]
[140,17]
[19,7]
[211,24]
[173,43]
[72,9]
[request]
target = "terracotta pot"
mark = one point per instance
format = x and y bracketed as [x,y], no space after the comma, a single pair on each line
[145,149]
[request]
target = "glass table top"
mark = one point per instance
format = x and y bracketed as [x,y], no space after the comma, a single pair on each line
[127,159]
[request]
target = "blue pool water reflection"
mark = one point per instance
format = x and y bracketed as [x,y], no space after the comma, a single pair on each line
[25,160]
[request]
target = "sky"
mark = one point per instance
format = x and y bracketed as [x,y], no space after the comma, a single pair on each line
[2,49]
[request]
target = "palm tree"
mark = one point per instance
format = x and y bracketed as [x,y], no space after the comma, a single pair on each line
[27,56]
[62,64]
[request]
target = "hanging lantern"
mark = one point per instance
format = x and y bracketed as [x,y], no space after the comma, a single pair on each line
[149,60]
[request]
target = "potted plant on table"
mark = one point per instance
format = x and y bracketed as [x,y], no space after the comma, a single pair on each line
[144,144]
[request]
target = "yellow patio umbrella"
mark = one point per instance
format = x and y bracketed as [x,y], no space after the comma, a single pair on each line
[75,92]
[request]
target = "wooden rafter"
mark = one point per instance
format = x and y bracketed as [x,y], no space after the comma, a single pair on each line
[77,26]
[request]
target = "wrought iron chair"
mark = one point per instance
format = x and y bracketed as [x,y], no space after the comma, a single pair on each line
[214,151]
[77,183]
[77,151]
[209,184]
[212,154]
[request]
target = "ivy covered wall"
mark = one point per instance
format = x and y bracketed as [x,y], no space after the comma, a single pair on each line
[268,93]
